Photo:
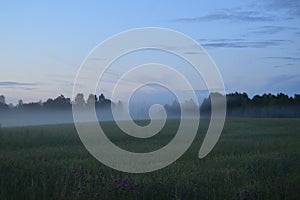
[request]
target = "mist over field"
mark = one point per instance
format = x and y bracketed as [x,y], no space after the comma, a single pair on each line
[42,115]
[59,110]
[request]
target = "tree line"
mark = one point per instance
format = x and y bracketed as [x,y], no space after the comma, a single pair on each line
[60,102]
[238,104]
[241,105]
[266,105]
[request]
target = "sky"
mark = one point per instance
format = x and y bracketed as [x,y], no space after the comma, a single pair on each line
[255,44]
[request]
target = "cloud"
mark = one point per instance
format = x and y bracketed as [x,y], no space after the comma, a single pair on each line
[222,40]
[18,88]
[232,15]
[12,83]
[191,52]
[291,61]
[292,7]
[273,29]
[286,65]
[241,43]
[288,58]
[266,11]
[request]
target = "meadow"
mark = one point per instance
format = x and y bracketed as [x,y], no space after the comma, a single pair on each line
[253,159]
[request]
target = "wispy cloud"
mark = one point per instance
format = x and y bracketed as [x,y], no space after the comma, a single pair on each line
[191,52]
[288,58]
[273,29]
[18,88]
[12,83]
[222,40]
[232,15]
[240,43]
[286,61]
[292,7]
[286,65]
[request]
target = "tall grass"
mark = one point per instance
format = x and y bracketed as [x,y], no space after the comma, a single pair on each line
[254,159]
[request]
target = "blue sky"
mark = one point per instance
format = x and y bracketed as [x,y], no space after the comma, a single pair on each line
[255,44]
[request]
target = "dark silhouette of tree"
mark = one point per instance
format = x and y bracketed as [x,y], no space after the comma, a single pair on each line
[62,102]
[297,99]
[238,105]
[91,101]
[173,110]
[32,106]
[3,105]
[282,99]
[20,104]
[103,102]
[49,103]
[58,103]
[79,100]
[2,99]
[205,108]
[101,98]
[266,105]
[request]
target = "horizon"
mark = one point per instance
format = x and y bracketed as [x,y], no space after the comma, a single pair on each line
[138,100]
[135,99]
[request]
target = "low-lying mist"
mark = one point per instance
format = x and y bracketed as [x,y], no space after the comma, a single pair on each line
[59,110]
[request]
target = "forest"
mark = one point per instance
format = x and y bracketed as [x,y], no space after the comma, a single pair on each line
[238,105]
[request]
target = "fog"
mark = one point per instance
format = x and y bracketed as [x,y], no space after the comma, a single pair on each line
[238,105]
[140,111]
[13,118]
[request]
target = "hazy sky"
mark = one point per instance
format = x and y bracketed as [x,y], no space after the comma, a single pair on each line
[255,44]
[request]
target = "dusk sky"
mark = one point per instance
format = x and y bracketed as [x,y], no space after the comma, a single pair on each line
[255,44]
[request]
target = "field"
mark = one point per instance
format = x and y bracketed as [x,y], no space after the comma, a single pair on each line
[254,159]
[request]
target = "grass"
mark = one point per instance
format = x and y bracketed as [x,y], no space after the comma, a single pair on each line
[254,159]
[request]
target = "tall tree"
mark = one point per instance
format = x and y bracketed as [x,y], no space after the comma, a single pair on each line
[20,103]
[79,100]
[101,98]
[2,99]
[92,99]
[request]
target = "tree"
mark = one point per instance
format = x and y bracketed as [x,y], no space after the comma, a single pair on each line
[103,102]
[32,106]
[48,103]
[174,109]
[2,99]
[61,102]
[20,103]
[297,99]
[79,100]
[257,100]
[3,105]
[92,99]
[282,99]
[101,98]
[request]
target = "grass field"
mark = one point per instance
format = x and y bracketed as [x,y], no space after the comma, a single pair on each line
[254,159]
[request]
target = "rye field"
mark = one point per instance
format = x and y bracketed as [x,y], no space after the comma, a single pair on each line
[253,159]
